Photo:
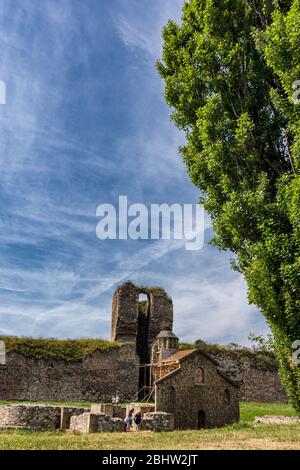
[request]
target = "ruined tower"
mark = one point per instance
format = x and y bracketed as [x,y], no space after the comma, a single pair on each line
[140,321]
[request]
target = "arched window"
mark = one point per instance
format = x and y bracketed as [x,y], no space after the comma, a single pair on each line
[199,376]
[227,397]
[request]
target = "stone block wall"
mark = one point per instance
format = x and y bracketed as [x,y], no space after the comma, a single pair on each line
[37,417]
[211,404]
[31,417]
[115,411]
[96,422]
[96,378]
[125,313]
[257,374]
[158,422]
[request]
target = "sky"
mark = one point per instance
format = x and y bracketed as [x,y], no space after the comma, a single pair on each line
[84,122]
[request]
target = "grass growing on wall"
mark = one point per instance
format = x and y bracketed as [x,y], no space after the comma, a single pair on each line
[68,350]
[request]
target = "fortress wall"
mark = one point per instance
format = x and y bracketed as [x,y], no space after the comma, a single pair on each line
[97,377]
[102,374]
[257,374]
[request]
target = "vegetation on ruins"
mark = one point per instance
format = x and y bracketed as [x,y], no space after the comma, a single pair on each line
[231,72]
[67,350]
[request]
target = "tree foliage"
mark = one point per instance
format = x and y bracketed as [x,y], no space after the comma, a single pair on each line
[229,70]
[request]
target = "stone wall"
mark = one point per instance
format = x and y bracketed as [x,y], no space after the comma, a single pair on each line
[115,411]
[37,417]
[257,374]
[31,417]
[213,403]
[158,422]
[96,422]
[125,312]
[102,374]
[96,378]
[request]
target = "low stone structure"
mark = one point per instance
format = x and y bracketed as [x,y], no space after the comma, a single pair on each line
[31,417]
[97,376]
[67,412]
[277,420]
[95,422]
[115,411]
[36,417]
[255,371]
[158,422]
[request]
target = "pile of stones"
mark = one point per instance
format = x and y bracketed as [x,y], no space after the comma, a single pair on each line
[276,420]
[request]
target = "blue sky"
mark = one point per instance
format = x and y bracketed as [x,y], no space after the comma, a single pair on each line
[85,121]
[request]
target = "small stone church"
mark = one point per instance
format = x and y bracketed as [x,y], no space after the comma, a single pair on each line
[187,383]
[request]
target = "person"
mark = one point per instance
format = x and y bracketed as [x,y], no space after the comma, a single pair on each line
[117,399]
[138,421]
[113,400]
[129,420]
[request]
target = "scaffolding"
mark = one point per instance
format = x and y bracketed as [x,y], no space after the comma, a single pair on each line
[152,373]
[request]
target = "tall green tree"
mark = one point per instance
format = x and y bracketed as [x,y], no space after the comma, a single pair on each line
[230,69]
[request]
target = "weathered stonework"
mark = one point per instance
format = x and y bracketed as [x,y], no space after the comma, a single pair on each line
[126,312]
[158,422]
[102,374]
[142,408]
[257,375]
[96,378]
[66,414]
[37,417]
[31,417]
[95,422]
[211,403]
[140,322]
[115,411]
[277,420]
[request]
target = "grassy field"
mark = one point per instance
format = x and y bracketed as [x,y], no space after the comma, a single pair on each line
[244,435]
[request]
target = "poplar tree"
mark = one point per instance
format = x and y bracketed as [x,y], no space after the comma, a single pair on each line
[230,70]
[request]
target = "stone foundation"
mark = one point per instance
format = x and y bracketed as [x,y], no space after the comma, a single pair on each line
[115,411]
[142,408]
[277,420]
[31,417]
[35,417]
[96,378]
[66,413]
[158,421]
[95,422]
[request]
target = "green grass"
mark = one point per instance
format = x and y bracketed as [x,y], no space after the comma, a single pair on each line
[248,411]
[67,350]
[244,435]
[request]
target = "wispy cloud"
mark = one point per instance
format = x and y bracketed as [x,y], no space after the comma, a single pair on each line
[84,122]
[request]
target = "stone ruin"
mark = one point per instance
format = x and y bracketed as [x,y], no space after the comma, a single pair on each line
[140,321]
[189,388]
[35,417]
[100,418]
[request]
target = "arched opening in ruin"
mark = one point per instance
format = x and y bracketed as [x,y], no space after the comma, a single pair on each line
[201,419]
[142,344]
